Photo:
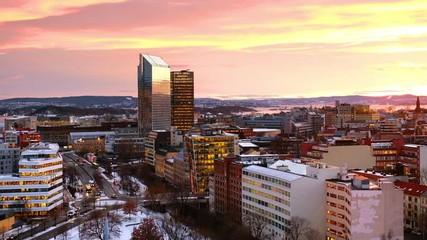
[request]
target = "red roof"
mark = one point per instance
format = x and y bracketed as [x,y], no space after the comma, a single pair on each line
[411,188]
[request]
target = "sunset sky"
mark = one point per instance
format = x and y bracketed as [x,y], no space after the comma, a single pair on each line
[237,48]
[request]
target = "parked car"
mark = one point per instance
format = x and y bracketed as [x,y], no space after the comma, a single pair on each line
[417,232]
[71,213]
[114,196]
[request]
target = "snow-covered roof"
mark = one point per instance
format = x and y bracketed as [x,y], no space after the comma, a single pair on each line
[41,148]
[287,176]
[293,167]
[247,144]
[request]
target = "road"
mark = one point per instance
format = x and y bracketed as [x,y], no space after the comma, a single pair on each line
[86,173]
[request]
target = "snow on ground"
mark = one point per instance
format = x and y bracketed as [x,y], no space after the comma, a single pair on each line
[127,226]
[117,179]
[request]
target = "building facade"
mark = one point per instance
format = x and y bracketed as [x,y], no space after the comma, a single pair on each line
[360,208]
[38,188]
[228,188]
[9,158]
[200,150]
[182,99]
[415,204]
[274,195]
[154,97]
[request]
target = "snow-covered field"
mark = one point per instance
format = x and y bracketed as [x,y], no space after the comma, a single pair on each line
[127,226]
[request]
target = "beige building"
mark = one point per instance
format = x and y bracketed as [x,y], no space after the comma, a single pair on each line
[355,156]
[361,208]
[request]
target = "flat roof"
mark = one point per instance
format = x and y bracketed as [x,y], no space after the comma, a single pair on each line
[41,148]
[265,129]
[293,167]
[247,144]
[273,173]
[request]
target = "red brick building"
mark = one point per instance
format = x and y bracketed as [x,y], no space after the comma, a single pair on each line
[228,188]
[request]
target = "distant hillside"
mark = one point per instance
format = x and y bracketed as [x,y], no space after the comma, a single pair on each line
[223,110]
[128,102]
[64,111]
[79,102]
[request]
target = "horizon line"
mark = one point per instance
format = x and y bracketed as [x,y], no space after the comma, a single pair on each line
[236,97]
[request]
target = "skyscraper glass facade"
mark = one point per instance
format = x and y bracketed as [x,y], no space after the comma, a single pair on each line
[154,98]
[182,99]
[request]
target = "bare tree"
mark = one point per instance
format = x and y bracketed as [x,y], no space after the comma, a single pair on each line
[97,177]
[147,230]
[175,229]
[388,236]
[89,201]
[256,224]
[94,227]
[198,236]
[298,228]
[130,186]
[64,232]
[179,198]
[313,234]
[130,207]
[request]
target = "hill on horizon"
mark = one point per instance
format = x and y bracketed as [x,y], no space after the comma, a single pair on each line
[129,102]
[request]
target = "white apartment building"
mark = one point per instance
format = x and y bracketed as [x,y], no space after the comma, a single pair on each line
[38,187]
[275,196]
[361,208]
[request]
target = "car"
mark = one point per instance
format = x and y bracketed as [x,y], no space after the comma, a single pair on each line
[71,213]
[114,196]
[84,204]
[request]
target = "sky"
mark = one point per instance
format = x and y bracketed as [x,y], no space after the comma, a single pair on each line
[236,48]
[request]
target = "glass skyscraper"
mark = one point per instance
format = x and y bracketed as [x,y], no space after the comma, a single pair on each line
[182,97]
[154,97]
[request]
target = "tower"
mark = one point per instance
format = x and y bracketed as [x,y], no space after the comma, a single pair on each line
[154,102]
[182,99]
[418,113]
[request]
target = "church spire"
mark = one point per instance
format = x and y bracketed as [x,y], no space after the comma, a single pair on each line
[418,107]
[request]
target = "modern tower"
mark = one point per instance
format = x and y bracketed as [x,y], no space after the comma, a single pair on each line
[154,102]
[201,149]
[182,99]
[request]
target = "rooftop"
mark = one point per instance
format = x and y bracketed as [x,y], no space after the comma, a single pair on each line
[411,188]
[293,167]
[41,148]
[155,61]
[273,173]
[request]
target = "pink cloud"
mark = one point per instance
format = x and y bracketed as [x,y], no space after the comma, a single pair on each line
[12,3]
[134,14]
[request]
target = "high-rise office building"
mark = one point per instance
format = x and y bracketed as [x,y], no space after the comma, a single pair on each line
[154,102]
[201,149]
[182,99]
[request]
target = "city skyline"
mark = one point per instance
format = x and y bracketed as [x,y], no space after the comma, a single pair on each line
[238,49]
